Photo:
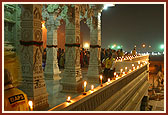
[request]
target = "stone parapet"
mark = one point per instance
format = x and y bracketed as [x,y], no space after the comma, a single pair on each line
[112,96]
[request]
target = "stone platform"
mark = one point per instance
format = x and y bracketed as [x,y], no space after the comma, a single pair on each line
[60,97]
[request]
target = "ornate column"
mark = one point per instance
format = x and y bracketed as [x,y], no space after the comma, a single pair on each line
[95,45]
[72,78]
[31,56]
[51,69]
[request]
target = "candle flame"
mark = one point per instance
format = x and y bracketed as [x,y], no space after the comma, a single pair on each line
[114,73]
[138,62]
[69,98]
[108,79]
[30,104]
[132,64]
[116,76]
[133,68]
[92,87]
[101,77]
[85,83]
[121,70]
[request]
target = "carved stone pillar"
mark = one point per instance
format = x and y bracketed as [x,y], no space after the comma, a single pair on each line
[31,56]
[95,47]
[72,77]
[51,69]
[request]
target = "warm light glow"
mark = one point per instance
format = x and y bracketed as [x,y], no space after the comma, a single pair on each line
[116,77]
[30,105]
[125,68]
[108,79]
[132,65]
[141,65]
[114,73]
[68,99]
[92,87]
[121,70]
[129,70]
[133,68]
[43,25]
[86,45]
[85,83]
[137,67]
[143,45]
[101,77]
[138,62]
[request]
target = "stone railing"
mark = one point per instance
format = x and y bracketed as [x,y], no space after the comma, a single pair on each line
[112,96]
[128,63]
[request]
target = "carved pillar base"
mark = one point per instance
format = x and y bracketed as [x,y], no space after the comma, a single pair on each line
[72,87]
[93,73]
[41,99]
[53,86]
[71,80]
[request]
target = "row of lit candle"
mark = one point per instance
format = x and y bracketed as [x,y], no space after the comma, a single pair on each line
[126,58]
[116,76]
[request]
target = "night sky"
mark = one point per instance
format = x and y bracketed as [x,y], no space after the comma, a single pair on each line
[129,25]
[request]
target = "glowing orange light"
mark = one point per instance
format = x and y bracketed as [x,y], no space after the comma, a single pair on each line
[43,24]
[133,68]
[101,77]
[85,83]
[86,45]
[92,87]
[30,105]
[121,70]
[109,80]
[69,99]
[114,73]
[126,69]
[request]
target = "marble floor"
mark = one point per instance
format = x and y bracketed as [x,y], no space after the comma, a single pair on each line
[60,97]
